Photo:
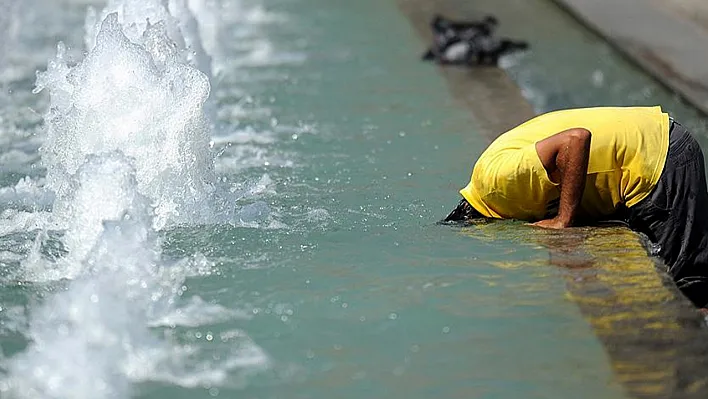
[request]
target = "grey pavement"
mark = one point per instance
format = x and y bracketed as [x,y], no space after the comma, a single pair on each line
[668,38]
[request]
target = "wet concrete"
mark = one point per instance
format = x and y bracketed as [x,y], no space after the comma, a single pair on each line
[669,45]
[695,10]
[655,340]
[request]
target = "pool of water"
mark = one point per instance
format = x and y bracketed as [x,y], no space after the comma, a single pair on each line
[315,268]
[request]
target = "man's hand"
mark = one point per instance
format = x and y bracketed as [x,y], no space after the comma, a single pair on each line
[554,223]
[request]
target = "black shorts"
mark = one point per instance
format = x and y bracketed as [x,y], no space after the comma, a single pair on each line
[675,215]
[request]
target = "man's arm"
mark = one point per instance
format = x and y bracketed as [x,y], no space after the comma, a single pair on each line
[565,157]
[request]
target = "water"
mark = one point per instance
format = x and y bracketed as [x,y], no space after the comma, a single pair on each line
[240,201]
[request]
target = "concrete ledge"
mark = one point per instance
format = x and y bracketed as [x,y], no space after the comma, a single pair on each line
[668,45]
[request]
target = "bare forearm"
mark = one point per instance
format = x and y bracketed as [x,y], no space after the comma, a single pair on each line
[565,157]
[572,161]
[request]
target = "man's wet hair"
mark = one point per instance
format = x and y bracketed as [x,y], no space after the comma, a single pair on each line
[463,212]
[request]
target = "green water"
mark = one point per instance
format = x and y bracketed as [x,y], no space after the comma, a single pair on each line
[377,300]
[353,290]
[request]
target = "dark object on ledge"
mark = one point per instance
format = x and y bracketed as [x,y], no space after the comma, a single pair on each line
[468,43]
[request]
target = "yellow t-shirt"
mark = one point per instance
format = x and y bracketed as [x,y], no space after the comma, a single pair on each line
[628,149]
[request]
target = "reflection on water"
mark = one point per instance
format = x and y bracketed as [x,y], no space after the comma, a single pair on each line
[654,336]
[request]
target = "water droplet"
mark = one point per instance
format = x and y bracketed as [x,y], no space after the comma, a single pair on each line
[446,330]
[63,330]
[393,316]
[598,78]
[213,392]
[359,375]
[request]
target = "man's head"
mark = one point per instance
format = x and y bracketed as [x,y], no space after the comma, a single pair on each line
[464,211]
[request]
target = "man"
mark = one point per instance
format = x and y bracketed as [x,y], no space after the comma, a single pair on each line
[579,166]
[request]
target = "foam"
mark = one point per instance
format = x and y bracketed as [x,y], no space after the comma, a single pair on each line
[97,320]
[196,313]
[127,154]
[247,23]
[28,193]
[8,28]
[263,53]
[15,221]
[246,156]
[318,215]
[207,15]
[247,135]
[108,180]
[14,320]
[152,113]
[93,340]
[136,16]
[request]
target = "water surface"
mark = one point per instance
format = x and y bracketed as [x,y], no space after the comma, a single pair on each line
[325,273]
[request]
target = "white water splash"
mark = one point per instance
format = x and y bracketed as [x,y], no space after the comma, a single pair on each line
[96,323]
[14,221]
[197,313]
[142,101]
[208,13]
[136,17]
[127,154]
[27,194]
[93,340]
[9,28]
